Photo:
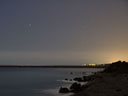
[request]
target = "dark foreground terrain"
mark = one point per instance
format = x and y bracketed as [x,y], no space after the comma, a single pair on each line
[113,81]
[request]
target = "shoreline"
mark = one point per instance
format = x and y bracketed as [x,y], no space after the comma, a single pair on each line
[108,85]
[56,66]
[78,83]
[113,81]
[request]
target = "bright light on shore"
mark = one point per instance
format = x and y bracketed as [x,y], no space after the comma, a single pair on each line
[89,64]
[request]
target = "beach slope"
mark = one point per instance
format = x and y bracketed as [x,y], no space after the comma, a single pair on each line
[113,81]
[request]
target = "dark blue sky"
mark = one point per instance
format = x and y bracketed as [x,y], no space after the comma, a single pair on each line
[63,31]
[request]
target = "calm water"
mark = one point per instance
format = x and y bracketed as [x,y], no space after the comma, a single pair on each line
[37,81]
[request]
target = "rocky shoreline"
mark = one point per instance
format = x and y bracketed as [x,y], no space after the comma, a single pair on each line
[113,81]
[78,83]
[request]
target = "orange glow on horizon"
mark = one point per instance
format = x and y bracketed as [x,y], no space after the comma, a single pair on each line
[117,57]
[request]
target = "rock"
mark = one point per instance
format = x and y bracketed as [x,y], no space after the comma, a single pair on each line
[75,87]
[85,78]
[117,67]
[71,73]
[79,79]
[88,78]
[64,90]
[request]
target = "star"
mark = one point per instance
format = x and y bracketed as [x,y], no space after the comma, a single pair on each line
[29,25]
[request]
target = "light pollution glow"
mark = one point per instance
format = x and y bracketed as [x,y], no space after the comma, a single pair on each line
[63,31]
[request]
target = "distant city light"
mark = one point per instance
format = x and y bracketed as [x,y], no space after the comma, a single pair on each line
[90,64]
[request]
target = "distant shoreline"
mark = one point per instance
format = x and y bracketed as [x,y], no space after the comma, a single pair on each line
[21,66]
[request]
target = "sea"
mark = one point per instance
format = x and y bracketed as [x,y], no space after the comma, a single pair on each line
[39,81]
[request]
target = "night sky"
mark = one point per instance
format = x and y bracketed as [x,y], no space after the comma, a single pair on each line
[53,32]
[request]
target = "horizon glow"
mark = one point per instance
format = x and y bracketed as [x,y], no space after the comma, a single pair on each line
[63,32]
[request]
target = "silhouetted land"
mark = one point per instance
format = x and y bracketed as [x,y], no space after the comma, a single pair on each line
[56,66]
[113,81]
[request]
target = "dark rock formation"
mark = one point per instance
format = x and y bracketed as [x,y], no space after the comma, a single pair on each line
[85,78]
[117,67]
[64,90]
[79,79]
[88,78]
[75,87]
